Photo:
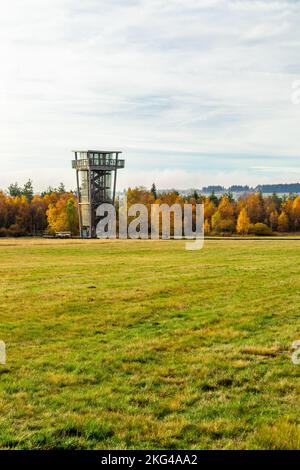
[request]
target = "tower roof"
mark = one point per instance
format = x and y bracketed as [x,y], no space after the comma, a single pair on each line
[98,151]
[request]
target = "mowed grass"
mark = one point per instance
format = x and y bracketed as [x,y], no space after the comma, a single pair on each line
[144,345]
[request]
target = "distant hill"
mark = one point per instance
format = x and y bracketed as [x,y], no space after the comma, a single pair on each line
[237,188]
[279,188]
[213,189]
[264,188]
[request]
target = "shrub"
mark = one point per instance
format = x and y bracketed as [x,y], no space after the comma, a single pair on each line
[4,232]
[260,229]
[16,231]
[13,231]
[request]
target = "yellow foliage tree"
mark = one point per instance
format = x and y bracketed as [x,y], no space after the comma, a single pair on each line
[223,219]
[283,222]
[274,220]
[206,227]
[296,212]
[62,215]
[243,222]
[253,202]
[209,209]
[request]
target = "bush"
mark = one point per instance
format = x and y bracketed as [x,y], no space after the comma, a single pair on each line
[4,232]
[12,231]
[260,229]
[17,231]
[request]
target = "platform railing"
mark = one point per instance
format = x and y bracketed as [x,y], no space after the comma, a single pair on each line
[97,162]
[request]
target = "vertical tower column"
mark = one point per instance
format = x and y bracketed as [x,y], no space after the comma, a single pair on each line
[78,199]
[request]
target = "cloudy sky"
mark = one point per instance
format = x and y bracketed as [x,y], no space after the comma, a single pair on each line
[194,92]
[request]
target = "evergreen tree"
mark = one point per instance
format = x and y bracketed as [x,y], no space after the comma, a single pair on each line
[61,188]
[14,190]
[27,190]
[214,199]
[153,191]
[195,195]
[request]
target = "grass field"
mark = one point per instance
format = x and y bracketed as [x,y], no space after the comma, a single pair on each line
[130,345]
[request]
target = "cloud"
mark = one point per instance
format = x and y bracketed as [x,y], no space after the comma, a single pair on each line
[161,80]
[263,5]
[265,30]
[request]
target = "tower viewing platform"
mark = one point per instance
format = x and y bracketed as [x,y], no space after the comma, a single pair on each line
[98,159]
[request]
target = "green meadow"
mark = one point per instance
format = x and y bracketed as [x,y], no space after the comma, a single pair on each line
[144,345]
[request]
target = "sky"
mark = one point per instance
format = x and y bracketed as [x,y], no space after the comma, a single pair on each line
[194,92]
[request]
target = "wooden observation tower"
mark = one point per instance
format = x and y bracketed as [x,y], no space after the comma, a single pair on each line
[96,175]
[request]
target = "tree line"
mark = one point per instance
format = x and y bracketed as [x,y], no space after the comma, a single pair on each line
[251,213]
[24,213]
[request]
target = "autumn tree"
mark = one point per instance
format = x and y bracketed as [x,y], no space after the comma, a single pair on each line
[287,208]
[209,209]
[207,228]
[243,222]
[139,195]
[273,219]
[223,219]
[19,215]
[62,215]
[295,213]
[254,204]
[283,222]
[39,206]
[270,207]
